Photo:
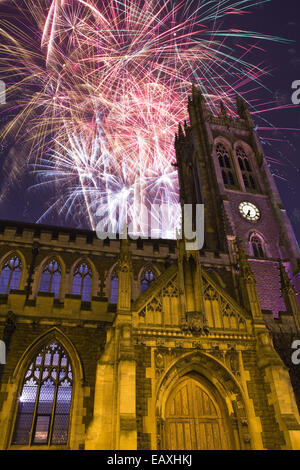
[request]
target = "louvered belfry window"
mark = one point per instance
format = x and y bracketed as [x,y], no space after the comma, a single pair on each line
[246,169]
[257,246]
[226,167]
[45,402]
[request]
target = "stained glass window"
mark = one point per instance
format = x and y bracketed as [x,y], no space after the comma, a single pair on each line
[246,169]
[45,401]
[51,278]
[10,274]
[226,166]
[82,281]
[147,278]
[114,288]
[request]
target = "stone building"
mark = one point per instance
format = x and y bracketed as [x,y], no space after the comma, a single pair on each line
[118,344]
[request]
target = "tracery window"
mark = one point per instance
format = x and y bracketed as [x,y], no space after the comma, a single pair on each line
[246,169]
[45,401]
[258,246]
[51,278]
[114,288]
[225,163]
[82,281]
[10,274]
[147,278]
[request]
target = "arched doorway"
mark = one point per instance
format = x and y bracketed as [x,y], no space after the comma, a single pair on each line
[194,420]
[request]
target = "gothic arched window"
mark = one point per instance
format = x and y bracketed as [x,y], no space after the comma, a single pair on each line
[51,278]
[146,279]
[10,274]
[246,169]
[82,281]
[45,401]
[258,246]
[226,166]
[114,288]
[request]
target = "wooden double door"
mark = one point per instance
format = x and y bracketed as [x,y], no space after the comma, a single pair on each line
[193,419]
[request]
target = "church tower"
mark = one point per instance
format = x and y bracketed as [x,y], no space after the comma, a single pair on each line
[221,164]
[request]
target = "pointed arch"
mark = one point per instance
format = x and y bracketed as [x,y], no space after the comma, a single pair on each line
[244,155]
[53,333]
[226,163]
[51,273]
[257,245]
[12,271]
[217,389]
[45,402]
[147,275]
[82,277]
[193,416]
[49,379]
[94,275]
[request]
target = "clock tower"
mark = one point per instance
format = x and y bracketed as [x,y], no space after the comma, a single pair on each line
[221,164]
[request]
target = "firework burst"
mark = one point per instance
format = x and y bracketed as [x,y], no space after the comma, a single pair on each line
[104,86]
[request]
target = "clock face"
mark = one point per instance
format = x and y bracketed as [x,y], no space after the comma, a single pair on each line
[249,211]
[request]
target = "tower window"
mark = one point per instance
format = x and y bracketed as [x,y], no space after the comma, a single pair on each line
[82,281]
[51,278]
[10,274]
[114,288]
[147,278]
[258,246]
[246,169]
[225,163]
[45,401]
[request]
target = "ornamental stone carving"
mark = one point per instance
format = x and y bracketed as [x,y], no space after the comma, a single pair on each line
[195,324]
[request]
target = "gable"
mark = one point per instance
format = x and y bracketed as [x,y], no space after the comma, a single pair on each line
[161,305]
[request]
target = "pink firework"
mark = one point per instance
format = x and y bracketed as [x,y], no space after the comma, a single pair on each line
[106,87]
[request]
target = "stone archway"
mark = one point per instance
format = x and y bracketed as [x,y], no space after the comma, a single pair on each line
[194,419]
[217,385]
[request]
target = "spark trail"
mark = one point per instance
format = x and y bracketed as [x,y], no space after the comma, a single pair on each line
[105,84]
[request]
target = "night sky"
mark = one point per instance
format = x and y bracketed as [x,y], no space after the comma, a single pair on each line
[20,202]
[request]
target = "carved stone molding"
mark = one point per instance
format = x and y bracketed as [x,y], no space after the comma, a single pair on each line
[221,374]
[195,324]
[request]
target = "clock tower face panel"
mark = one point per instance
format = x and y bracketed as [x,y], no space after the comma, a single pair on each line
[249,211]
[254,213]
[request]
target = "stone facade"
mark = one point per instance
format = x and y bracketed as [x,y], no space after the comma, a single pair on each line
[189,362]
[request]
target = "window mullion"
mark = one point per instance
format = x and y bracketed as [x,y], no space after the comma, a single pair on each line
[53,412]
[50,282]
[35,412]
[81,284]
[9,280]
[32,431]
[40,382]
[54,399]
